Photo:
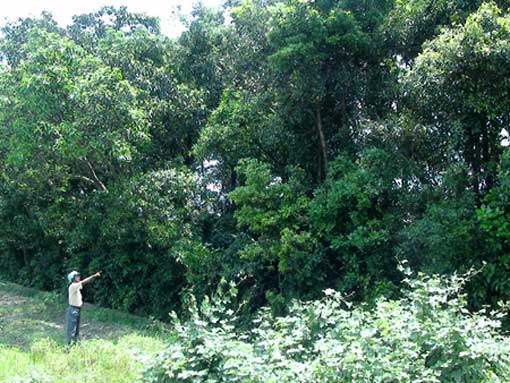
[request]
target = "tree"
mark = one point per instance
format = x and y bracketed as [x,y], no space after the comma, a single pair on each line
[317,59]
[278,249]
[459,85]
[133,44]
[70,127]
[200,54]
[493,216]
[412,23]
[355,213]
[89,29]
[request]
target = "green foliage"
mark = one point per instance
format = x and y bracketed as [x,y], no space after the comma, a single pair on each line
[89,29]
[241,127]
[321,68]
[274,215]
[303,57]
[411,23]
[355,213]
[493,216]
[175,109]
[442,238]
[81,126]
[145,224]
[459,84]
[475,51]
[200,49]
[60,145]
[426,336]
[288,145]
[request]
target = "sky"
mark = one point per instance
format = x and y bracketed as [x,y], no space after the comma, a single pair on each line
[64,10]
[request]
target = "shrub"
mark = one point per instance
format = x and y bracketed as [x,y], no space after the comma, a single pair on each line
[427,335]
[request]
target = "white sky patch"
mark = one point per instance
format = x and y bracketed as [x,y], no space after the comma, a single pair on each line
[210,163]
[214,187]
[505,139]
[64,10]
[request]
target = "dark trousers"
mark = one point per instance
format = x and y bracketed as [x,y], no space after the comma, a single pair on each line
[72,324]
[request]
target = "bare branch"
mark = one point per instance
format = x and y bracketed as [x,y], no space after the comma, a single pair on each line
[94,175]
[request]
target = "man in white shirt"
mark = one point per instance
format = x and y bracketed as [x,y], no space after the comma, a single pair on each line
[75,304]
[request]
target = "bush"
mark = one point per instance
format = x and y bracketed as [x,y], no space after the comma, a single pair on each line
[428,335]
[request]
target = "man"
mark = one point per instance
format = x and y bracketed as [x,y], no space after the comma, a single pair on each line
[75,303]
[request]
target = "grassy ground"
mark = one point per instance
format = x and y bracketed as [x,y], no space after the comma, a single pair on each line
[32,338]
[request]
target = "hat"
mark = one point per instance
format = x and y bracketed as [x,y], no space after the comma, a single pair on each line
[71,275]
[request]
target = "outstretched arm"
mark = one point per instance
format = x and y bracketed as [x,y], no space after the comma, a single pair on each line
[92,277]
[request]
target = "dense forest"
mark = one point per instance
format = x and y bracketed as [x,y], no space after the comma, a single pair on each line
[288,146]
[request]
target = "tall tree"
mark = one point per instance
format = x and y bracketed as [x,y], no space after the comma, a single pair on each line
[459,86]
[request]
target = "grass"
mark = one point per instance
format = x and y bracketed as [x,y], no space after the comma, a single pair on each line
[113,348]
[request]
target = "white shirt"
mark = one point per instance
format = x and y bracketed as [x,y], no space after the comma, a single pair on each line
[75,298]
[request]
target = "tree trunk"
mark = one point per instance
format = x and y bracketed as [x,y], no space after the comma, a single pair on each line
[472,147]
[486,154]
[322,140]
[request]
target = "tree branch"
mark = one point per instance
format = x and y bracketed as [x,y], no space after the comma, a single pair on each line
[97,181]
